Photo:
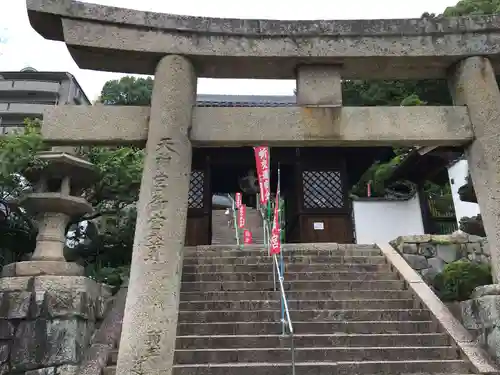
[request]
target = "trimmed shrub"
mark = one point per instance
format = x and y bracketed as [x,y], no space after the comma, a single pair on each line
[112,276]
[458,279]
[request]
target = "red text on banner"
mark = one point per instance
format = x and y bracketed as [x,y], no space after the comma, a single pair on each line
[262,164]
[275,247]
[247,237]
[238,200]
[242,216]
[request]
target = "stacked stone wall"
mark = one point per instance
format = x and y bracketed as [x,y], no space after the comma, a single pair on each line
[481,316]
[46,323]
[429,254]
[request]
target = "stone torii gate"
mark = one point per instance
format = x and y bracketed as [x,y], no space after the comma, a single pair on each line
[318,54]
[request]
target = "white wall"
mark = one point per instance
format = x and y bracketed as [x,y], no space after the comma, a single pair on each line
[382,220]
[457,174]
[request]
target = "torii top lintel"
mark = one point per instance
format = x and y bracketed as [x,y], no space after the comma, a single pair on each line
[130,41]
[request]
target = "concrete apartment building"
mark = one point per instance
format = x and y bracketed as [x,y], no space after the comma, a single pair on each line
[28,92]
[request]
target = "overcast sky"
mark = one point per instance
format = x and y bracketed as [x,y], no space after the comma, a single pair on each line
[20,46]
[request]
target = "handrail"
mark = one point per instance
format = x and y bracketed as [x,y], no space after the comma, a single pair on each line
[278,267]
[267,235]
[287,321]
[281,212]
[264,221]
[235,220]
[283,295]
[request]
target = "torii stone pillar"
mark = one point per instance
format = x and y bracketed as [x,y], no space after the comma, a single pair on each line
[150,321]
[473,83]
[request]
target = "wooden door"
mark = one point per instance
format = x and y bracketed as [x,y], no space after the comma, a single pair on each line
[326,228]
[198,228]
[325,212]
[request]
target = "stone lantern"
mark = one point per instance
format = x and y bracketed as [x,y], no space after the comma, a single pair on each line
[55,201]
[48,308]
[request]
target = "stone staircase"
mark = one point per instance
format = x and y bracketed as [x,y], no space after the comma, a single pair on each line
[223,227]
[351,315]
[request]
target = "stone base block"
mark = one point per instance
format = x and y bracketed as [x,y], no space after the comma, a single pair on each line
[481,316]
[486,290]
[40,268]
[48,297]
[46,322]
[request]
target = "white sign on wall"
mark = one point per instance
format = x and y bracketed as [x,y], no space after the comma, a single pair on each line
[319,226]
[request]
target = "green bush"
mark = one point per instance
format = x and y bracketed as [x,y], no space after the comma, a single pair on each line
[113,276]
[458,279]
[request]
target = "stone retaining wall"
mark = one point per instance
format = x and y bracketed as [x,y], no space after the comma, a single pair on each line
[46,322]
[481,316]
[429,254]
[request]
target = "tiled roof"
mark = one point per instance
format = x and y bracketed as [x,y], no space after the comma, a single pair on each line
[208,100]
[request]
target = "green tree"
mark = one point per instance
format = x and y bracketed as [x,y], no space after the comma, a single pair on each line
[18,154]
[407,92]
[107,239]
[466,7]
[110,237]
[393,93]
[127,91]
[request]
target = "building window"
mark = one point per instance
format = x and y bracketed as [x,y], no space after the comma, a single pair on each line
[196,189]
[322,189]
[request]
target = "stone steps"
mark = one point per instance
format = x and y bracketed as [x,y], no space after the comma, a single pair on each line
[316,354]
[402,367]
[296,259]
[223,227]
[415,367]
[294,295]
[267,267]
[290,276]
[351,315]
[249,252]
[312,340]
[303,315]
[255,328]
[208,286]
[297,305]
[326,368]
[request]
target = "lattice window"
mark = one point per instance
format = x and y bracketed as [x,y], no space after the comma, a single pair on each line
[196,189]
[322,189]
